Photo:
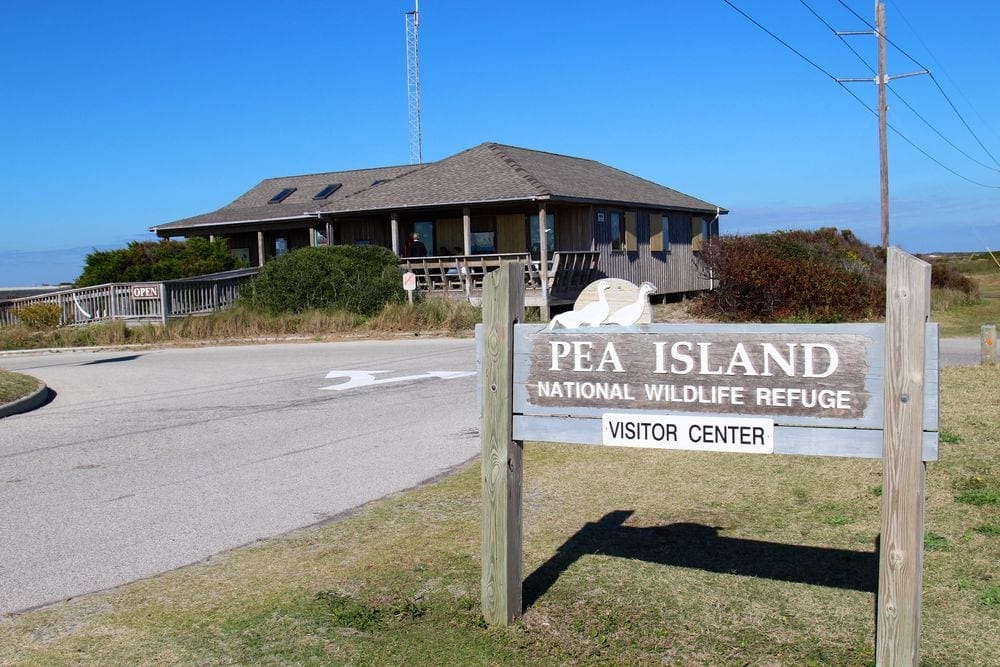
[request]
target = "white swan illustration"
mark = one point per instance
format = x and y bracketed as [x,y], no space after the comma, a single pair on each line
[630,314]
[593,314]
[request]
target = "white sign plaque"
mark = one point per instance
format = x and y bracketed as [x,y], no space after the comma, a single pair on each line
[754,435]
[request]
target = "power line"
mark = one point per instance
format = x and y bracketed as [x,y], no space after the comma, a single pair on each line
[894,92]
[783,42]
[938,85]
[839,36]
[858,99]
[942,68]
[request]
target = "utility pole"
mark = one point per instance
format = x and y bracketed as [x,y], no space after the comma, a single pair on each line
[883,142]
[881,80]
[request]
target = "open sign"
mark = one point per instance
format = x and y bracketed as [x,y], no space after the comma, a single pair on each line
[151,291]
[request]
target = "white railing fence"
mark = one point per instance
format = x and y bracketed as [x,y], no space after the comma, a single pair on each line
[138,301]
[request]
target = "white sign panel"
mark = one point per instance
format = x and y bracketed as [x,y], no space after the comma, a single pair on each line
[147,291]
[409,281]
[753,435]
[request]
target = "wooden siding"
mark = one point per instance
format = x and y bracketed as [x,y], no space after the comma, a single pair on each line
[511,232]
[363,230]
[673,271]
[574,227]
[448,233]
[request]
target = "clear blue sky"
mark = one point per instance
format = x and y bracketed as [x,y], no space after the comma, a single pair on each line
[121,115]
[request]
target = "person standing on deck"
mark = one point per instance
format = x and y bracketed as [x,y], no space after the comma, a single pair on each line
[417,247]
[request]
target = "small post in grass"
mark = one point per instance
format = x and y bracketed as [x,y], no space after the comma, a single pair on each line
[503,306]
[988,344]
[901,551]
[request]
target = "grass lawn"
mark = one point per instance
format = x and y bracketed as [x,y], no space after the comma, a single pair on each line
[631,557]
[15,385]
[967,319]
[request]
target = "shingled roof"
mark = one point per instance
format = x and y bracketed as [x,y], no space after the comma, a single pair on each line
[487,173]
[492,173]
[253,206]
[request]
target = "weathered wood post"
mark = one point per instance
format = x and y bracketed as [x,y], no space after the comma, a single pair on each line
[988,345]
[503,306]
[164,304]
[902,524]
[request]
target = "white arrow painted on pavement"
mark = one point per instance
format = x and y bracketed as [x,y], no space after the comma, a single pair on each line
[366,378]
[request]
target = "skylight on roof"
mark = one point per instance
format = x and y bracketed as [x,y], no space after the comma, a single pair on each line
[281,196]
[327,191]
[377,181]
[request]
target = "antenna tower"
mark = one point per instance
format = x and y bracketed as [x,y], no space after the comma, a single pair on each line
[413,83]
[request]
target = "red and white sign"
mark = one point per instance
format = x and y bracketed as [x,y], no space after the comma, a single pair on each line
[409,281]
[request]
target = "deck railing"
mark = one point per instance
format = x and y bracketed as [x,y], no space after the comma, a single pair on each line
[138,301]
[568,272]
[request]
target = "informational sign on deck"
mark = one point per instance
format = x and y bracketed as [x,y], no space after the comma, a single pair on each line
[145,291]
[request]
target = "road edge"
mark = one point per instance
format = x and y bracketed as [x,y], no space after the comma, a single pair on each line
[26,403]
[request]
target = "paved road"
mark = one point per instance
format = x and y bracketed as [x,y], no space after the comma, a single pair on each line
[146,461]
[960,351]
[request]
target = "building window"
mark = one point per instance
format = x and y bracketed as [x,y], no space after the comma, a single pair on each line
[281,196]
[327,191]
[631,231]
[699,233]
[280,246]
[615,228]
[535,243]
[659,232]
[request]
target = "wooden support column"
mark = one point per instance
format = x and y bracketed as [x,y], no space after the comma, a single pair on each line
[901,551]
[164,305]
[543,268]
[467,230]
[503,306]
[260,248]
[394,231]
[329,233]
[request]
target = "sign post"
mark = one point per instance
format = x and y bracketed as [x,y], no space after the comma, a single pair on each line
[901,541]
[856,390]
[503,307]
[409,284]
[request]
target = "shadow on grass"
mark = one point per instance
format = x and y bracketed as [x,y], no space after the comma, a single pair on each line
[700,547]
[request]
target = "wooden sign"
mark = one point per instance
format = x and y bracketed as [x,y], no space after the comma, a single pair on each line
[866,390]
[808,382]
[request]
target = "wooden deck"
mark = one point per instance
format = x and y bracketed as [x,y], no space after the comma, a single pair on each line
[154,302]
[461,276]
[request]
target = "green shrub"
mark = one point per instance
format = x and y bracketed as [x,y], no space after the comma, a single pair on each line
[155,261]
[358,279]
[39,316]
[946,276]
[806,276]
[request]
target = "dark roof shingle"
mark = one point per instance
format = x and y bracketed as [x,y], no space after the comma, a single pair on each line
[486,173]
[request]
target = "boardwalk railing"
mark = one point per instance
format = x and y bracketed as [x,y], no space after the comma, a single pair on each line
[462,275]
[139,301]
